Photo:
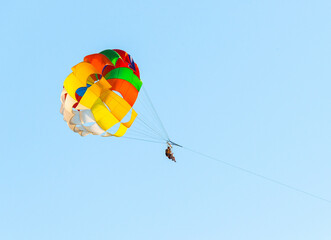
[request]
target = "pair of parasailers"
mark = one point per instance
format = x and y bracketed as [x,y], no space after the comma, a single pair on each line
[169,153]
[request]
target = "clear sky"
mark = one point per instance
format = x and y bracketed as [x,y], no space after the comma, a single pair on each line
[247,82]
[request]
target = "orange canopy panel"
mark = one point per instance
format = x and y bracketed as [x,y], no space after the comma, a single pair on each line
[125,88]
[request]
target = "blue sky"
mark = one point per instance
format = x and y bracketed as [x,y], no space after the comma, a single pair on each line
[247,82]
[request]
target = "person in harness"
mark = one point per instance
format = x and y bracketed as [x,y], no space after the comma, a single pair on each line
[169,153]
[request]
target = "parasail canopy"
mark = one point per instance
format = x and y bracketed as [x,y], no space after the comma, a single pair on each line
[100,97]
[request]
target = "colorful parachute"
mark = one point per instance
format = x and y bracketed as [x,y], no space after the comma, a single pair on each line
[98,95]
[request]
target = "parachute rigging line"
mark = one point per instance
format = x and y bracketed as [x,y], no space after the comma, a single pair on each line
[148,124]
[142,139]
[261,176]
[155,113]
